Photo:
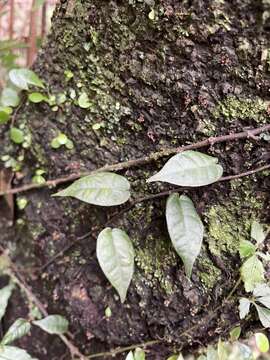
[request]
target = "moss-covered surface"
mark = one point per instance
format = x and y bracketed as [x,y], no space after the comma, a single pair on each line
[190,69]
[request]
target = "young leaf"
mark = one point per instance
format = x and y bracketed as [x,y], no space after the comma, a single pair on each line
[211,353]
[105,189]
[252,273]
[9,97]
[262,342]
[130,356]
[4,116]
[115,255]
[5,294]
[246,249]
[139,354]
[257,232]
[189,168]
[244,306]
[262,293]
[235,333]
[14,353]
[83,101]
[24,77]
[53,324]
[185,229]
[264,315]
[36,97]
[16,135]
[17,330]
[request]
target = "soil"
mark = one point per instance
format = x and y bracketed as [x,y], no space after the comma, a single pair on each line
[195,70]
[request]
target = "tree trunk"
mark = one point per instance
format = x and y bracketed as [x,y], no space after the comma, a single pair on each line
[159,73]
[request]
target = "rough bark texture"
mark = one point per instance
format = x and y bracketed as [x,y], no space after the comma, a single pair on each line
[197,69]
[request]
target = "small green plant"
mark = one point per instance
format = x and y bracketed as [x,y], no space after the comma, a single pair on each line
[62,140]
[138,354]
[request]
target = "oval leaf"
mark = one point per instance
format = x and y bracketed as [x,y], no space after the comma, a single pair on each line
[185,229]
[262,293]
[16,135]
[252,273]
[262,342]
[257,232]
[17,330]
[264,315]
[53,324]
[244,306]
[24,77]
[36,97]
[115,255]
[190,168]
[9,97]
[12,353]
[105,189]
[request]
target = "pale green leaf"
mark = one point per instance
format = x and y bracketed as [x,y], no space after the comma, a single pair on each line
[14,353]
[37,97]
[189,168]
[257,232]
[235,333]
[185,229]
[22,78]
[4,117]
[244,306]
[17,330]
[9,97]
[16,135]
[252,273]
[246,249]
[222,350]
[262,293]
[105,189]
[53,324]
[83,101]
[5,294]
[262,342]
[264,315]
[115,255]
[130,356]
[211,353]
[139,354]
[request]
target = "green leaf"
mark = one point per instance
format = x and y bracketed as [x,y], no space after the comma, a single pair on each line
[189,168]
[235,333]
[14,353]
[37,97]
[17,330]
[264,315]
[24,77]
[16,135]
[246,249]
[262,342]
[211,353]
[262,293]
[252,273]
[139,354]
[9,97]
[222,350]
[115,255]
[83,101]
[5,294]
[244,306]
[152,15]
[257,232]
[130,356]
[53,324]
[4,117]
[105,189]
[185,229]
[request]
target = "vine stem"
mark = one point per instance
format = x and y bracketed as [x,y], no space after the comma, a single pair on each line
[251,133]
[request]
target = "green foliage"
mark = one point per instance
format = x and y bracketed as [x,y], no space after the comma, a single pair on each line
[105,189]
[185,229]
[189,168]
[244,306]
[4,117]
[22,78]
[5,294]
[12,353]
[83,101]
[36,97]
[138,354]
[262,342]
[115,255]
[235,333]
[53,324]
[62,140]
[16,135]
[9,97]
[257,232]
[17,330]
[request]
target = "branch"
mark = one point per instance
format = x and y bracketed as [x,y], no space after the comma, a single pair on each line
[143,160]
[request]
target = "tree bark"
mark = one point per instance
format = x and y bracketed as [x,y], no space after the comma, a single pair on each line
[159,73]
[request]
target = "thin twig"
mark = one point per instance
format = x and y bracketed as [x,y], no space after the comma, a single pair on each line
[19,279]
[143,160]
[138,201]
